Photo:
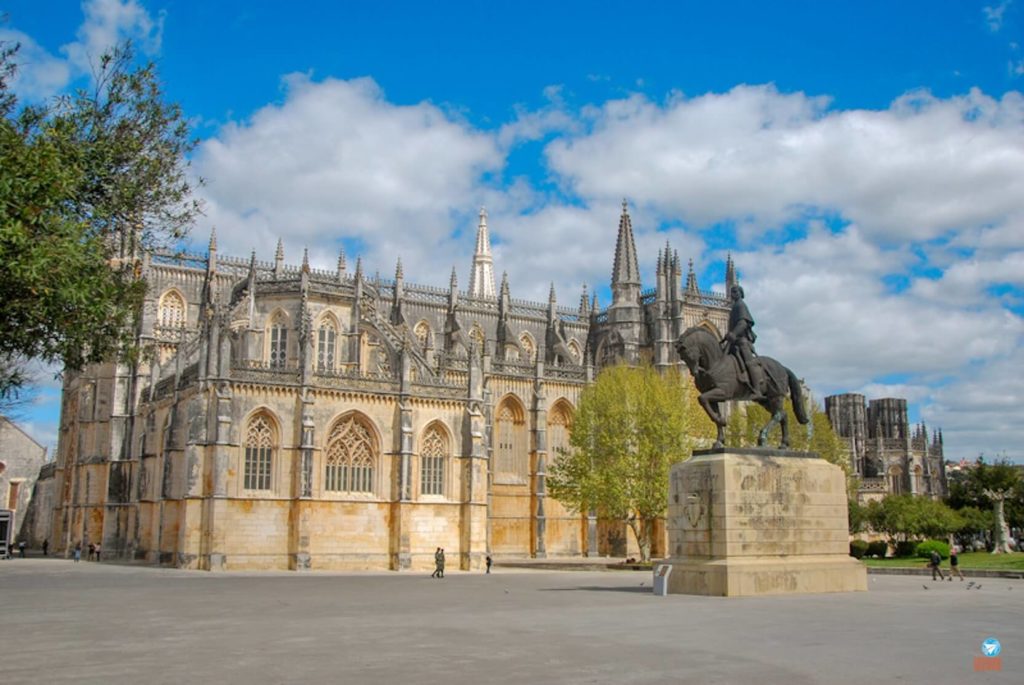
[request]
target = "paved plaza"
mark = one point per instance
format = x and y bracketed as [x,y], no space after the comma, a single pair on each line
[106,623]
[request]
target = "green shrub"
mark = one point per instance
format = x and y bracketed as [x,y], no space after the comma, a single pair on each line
[906,548]
[858,548]
[924,549]
[878,548]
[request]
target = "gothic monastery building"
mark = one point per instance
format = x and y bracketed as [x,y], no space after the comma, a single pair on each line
[290,418]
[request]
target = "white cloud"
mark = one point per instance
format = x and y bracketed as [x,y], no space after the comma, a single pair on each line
[994,14]
[39,73]
[337,160]
[42,75]
[917,170]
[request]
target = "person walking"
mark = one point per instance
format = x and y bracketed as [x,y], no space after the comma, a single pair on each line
[934,560]
[21,549]
[954,563]
[488,561]
[46,548]
[441,565]
[78,551]
[438,563]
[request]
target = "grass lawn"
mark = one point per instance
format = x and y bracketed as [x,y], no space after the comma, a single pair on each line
[968,560]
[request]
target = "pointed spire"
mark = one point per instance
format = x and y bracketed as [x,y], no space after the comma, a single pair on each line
[504,284]
[341,264]
[481,276]
[279,258]
[359,268]
[305,260]
[398,271]
[691,279]
[454,282]
[730,273]
[211,259]
[584,302]
[626,270]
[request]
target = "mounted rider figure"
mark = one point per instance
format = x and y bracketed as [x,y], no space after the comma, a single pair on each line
[739,342]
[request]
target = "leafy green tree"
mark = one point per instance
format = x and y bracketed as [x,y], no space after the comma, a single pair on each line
[907,517]
[85,183]
[997,487]
[631,425]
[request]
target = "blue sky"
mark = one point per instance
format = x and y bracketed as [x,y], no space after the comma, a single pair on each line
[863,161]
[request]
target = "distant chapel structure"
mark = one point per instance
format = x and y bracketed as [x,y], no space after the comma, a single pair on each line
[888,456]
[292,418]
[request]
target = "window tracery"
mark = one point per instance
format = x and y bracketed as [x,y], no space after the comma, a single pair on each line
[433,456]
[171,312]
[326,343]
[259,453]
[350,458]
[278,341]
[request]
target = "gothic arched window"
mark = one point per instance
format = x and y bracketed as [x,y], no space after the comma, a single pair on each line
[433,459]
[171,312]
[326,343]
[477,335]
[259,453]
[511,457]
[559,425]
[350,458]
[422,333]
[529,348]
[278,341]
[896,480]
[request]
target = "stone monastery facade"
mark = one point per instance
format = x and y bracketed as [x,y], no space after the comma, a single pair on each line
[292,418]
[887,454]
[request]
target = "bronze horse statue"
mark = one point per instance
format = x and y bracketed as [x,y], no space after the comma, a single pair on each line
[718,378]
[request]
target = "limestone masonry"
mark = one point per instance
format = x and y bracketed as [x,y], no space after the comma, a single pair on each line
[292,418]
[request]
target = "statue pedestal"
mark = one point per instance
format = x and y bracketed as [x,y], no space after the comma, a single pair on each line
[759,522]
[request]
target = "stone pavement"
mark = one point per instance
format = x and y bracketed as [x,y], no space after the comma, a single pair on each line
[104,623]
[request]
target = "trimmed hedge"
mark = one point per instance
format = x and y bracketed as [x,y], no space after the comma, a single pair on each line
[924,549]
[906,548]
[878,548]
[858,548]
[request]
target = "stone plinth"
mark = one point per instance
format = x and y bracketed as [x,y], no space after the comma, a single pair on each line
[758,522]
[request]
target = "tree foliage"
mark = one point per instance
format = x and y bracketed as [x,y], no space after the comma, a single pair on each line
[85,182]
[996,487]
[631,425]
[907,517]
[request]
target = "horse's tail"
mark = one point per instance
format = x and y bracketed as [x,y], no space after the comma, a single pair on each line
[797,396]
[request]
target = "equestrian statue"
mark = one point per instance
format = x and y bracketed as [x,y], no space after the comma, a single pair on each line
[730,369]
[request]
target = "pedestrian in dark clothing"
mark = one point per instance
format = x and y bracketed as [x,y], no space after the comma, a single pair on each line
[21,549]
[441,567]
[438,563]
[78,551]
[488,561]
[97,558]
[934,560]
[954,564]
[46,548]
